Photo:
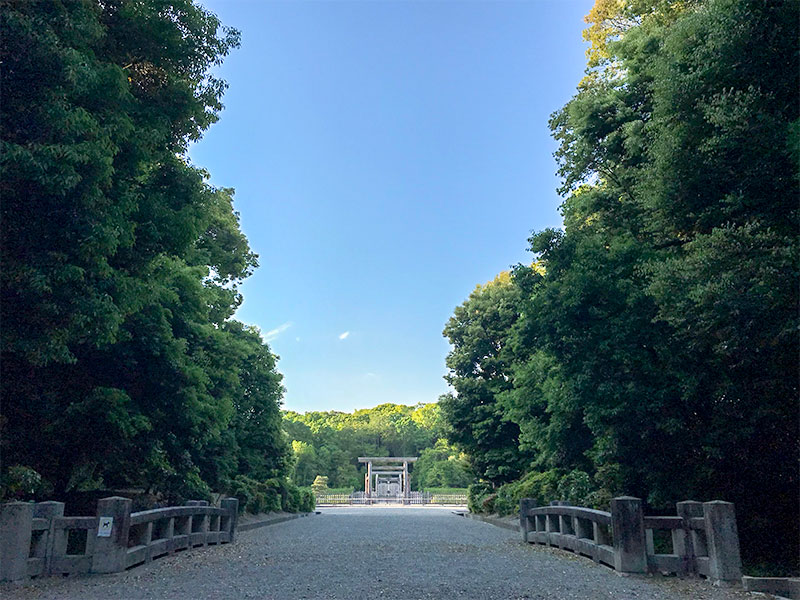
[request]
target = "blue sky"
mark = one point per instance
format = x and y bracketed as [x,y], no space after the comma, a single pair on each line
[387,158]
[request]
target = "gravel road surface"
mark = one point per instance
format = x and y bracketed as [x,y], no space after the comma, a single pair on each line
[372,552]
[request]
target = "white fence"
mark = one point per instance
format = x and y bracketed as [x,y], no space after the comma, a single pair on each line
[414,498]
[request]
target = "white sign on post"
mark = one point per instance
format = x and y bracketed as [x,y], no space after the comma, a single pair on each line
[104,526]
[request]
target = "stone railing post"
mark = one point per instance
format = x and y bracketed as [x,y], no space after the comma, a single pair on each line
[232,506]
[684,541]
[525,504]
[202,528]
[630,544]
[111,550]
[722,537]
[565,523]
[16,519]
[48,510]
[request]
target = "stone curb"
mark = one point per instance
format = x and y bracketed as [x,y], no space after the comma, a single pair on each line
[782,587]
[491,520]
[273,521]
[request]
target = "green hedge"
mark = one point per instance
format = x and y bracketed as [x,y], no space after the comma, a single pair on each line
[445,490]
[477,494]
[272,495]
[575,487]
[340,490]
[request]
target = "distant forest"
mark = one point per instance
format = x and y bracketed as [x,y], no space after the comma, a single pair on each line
[329,443]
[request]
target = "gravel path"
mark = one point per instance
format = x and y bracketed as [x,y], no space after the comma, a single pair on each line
[364,553]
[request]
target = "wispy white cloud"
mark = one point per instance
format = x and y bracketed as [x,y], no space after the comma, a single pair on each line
[344,335]
[274,333]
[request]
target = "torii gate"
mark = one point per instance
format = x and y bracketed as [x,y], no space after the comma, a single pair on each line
[386,468]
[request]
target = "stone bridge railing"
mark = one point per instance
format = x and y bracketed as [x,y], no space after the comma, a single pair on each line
[37,539]
[702,539]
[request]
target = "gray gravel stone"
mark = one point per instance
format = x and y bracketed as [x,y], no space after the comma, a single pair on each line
[365,553]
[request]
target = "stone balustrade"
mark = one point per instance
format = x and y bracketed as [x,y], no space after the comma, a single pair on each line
[37,539]
[702,539]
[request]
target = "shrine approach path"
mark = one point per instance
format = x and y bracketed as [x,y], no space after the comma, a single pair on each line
[362,553]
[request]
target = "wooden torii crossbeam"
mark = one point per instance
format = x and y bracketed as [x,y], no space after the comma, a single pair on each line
[396,471]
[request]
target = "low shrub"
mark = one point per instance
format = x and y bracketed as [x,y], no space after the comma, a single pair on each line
[180,487]
[272,495]
[344,491]
[476,494]
[487,506]
[542,486]
[269,497]
[445,490]
[506,501]
[294,498]
[320,485]
[308,501]
[255,496]
[575,487]
[20,482]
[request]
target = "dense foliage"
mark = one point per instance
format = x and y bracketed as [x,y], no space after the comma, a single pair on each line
[327,446]
[652,348]
[121,364]
[273,495]
[478,376]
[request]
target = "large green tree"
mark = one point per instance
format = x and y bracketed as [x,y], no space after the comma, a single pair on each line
[657,353]
[478,371]
[671,301]
[121,364]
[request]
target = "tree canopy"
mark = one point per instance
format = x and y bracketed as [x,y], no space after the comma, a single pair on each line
[652,351]
[122,365]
